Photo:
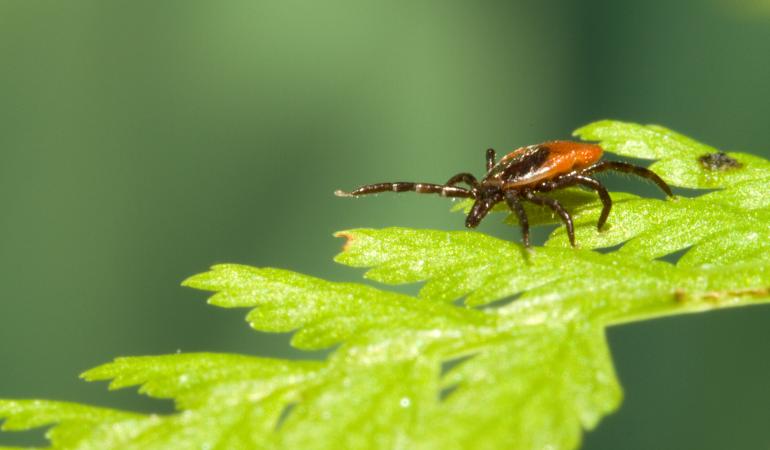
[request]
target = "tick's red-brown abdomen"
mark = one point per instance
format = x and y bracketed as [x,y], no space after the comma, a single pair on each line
[563,157]
[578,155]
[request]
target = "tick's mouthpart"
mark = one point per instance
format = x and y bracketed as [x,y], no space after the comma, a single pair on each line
[340,193]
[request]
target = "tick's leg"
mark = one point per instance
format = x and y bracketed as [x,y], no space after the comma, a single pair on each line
[574,178]
[558,209]
[603,166]
[515,204]
[402,186]
[604,196]
[490,159]
[464,177]
[594,184]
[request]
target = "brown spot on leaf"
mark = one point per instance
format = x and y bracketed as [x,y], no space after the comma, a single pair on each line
[715,297]
[349,239]
[719,161]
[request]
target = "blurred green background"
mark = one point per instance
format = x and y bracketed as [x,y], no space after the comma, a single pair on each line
[142,141]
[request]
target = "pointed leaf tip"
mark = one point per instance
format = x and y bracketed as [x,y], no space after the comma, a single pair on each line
[349,237]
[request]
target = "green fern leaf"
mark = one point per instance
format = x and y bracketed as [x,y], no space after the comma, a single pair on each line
[503,347]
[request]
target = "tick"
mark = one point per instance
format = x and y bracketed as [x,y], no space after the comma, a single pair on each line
[524,175]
